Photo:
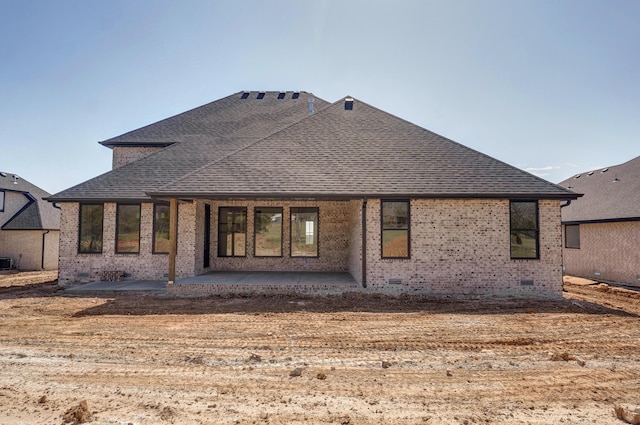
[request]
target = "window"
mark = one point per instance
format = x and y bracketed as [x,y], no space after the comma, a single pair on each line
[90,238]
[160,229]
[268,232]
[232,232]
[128,229]
[524,230]
[395,229]
[572,236]
[304,232]
[1,201]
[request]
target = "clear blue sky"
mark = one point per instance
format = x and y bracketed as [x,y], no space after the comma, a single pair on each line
[550,86]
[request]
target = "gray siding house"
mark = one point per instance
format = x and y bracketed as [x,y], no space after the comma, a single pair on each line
[602,229]
[285,181]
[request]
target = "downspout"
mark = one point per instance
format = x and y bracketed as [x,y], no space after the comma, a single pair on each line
[43,240]
[562,243]
[173,237]
[364,242]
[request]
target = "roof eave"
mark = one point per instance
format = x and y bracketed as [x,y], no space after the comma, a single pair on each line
[328,195]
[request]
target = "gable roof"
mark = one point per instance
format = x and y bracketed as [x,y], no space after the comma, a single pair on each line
[37,214]
[610,194]
[254,147]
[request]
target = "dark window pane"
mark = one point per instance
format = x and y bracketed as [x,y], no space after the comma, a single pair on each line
[161,228]
[268,232]
[395,229]
[128,229]
[395,215]
[572,236]
[524,229]
[304,232]
[395,243]
[232,232]
[90,229]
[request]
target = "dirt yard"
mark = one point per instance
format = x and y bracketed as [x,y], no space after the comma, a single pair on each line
[348,359]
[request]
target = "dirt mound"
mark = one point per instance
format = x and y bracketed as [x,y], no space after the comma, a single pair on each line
[78,414]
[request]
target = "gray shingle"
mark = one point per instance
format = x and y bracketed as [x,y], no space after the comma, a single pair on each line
[364,151]
[37,213]
[273,148]
[613,194]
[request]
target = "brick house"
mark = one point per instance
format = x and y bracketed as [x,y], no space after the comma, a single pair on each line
[602,229]
[29,226]
[285,181]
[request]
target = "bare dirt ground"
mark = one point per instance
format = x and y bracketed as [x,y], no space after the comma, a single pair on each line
[349,359]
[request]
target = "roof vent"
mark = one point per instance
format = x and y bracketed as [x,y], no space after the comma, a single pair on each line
[295,95]
[281,95]
[590,173]
[261,95]
[3,174]
[348,104]
[577,176]
[604,170]
[15,179]
[245,95]
[311,105]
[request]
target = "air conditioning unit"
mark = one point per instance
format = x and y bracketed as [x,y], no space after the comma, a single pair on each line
[6,263]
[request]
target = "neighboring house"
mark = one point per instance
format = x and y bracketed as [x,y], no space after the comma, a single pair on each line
[285,181]
[602,229]
[29,226]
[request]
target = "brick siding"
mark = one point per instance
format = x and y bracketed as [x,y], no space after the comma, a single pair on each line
[610,249]
[458,247]
[123,155]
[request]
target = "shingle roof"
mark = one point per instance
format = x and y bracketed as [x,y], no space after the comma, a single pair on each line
[238,147]
[196,138]
[610,194]
[231,117]
[360,152]
[37,214]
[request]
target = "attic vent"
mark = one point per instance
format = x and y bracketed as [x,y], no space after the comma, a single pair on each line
[295,95]
[245,95]
[348,104]
[261,95]
[604,170]
[281,95]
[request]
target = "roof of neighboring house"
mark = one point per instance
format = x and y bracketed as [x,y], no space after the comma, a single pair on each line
[37,214]
[610,194]
[258,150]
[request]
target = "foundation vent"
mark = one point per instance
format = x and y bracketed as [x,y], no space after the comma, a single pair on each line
[395,281]
[526,282]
